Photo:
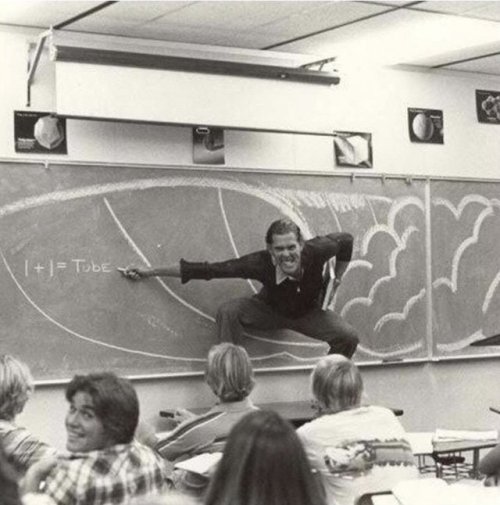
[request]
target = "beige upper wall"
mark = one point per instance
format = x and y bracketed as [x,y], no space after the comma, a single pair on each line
[453,394]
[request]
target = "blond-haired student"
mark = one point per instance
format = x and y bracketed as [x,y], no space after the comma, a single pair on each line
[21,448]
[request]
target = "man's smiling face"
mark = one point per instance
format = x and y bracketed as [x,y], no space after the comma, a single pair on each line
[84,429]
[286,251]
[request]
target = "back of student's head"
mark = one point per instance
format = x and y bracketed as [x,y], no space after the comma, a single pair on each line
[115,402]
[16,386]
[336,384]
[229,372]
[264,463]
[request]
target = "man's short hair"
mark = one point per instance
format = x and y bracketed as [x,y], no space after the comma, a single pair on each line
[229,372]
[16,386]
[282,227]
[115,403]
[336,383]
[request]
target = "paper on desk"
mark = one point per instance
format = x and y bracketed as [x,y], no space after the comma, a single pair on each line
[431,491]
[441,435]
[420,442]
[201,464]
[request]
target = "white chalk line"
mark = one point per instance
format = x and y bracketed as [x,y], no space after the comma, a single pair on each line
[230,234]
[143,257]
[401,244]
[490,292]
[461,344]
[452,282]
[400,316]
[391,354]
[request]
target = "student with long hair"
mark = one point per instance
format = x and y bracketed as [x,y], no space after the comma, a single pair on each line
[263,464]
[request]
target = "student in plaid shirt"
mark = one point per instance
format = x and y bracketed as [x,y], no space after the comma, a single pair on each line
[105,465]
[21,448]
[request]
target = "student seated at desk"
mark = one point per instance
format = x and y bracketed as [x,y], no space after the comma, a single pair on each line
[264,464]
[21,448]
[229,375]
[356,449]
[489,465]
[104,465]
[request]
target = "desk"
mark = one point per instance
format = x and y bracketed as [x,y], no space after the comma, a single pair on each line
[297,413]
[452,447]
[441,451]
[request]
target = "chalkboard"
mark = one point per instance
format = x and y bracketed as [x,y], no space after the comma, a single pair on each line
[465,266]
[64,230]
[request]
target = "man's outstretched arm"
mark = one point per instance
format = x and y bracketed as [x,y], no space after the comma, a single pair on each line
[136,273]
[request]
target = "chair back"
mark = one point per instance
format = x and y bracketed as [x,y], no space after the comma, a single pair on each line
[327,291]
[366,498]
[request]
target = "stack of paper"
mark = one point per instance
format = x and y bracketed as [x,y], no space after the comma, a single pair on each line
[421,442]
[202,464]
[442,435]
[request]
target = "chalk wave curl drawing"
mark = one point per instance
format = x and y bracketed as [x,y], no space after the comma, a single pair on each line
[402,351]
[461,344]
[401,244]
[464,202]
[144,184]
[341,202]
[452,281]
[490,292]
[400,316]
[395,209]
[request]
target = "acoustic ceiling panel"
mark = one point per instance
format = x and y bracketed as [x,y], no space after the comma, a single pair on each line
[483,65]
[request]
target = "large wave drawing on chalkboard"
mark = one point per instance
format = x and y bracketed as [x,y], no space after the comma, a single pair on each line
[466,273]
[64,236]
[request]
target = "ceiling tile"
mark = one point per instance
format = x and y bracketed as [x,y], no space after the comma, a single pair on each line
[320,17]
[135,12]
[325,43]
[234,15]
[489,65]
[483,10]
[40,13]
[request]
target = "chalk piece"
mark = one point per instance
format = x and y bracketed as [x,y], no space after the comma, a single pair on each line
[121,269]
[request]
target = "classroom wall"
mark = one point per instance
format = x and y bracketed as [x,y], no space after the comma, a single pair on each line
[452,394]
